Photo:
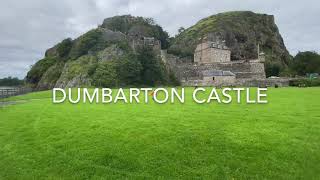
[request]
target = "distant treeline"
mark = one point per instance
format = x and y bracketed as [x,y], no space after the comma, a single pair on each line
[302,64]
[305,62]
[10,81]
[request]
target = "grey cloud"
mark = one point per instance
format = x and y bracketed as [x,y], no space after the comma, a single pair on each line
[28,28]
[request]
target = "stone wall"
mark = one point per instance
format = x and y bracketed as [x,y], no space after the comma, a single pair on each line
[208,81]
[228,81]
[247,72]
[242,70]
[205,54]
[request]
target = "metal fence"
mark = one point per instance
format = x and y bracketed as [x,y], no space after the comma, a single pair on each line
[14,91]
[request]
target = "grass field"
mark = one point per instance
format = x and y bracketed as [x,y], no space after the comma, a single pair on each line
[278,140]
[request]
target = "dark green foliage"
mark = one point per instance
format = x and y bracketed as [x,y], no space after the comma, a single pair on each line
[162,36]
[91,41]
[305,82]
[64,48]
[143,68]
[37,70]
[272,69]
[306,62]
[129,70]
[128,24]
[106,75]
[10,81]
[181,29]
[173,79]
[120,72]
[153,70]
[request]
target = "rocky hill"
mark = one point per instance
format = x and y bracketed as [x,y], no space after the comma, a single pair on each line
[242,31]
[104,57]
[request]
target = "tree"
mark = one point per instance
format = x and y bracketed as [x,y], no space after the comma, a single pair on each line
[106,75]
[129,70]
[181,29]
[153,71]
[91,41]
[306,62]
[37,70]
[273,69]
[64,47]
[10,81]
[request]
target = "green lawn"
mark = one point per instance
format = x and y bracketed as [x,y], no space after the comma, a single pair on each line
[278,140]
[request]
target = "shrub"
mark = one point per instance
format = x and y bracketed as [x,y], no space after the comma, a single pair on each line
[91,41]
[305,82]
[37,70]
[106,75]
[153,70]
[64,48]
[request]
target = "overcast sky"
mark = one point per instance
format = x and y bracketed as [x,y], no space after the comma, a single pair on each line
[28,28]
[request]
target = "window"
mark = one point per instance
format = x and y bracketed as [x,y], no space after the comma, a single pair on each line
[212,78]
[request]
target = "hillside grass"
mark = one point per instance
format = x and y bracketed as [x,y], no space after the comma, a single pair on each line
[278,140]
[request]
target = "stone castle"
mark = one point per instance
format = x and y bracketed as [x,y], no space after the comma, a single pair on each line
[212,65]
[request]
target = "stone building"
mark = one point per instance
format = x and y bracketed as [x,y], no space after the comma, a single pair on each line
[212,52]
[212,78]
[212,65]
[137,41]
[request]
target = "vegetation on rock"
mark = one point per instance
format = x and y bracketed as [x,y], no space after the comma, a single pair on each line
[141,26]
[242,31]
[104,56]
[37,70]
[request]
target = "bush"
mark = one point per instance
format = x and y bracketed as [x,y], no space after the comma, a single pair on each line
[273,69]
[305,82]
[37,70]
[91,41]
[129,70]
[106,75]
[153,70]
[64,48]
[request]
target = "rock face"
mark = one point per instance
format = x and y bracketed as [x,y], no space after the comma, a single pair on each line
[77,73]
[242,31]
[106,50]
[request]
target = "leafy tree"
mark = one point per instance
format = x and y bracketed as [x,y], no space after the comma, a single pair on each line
[273,69]
[153,71]
[91,41]
[129,70]
[306,62]
[162,36]
[64,47]
[181,29]
[36,72]
[10,81]
[106,75]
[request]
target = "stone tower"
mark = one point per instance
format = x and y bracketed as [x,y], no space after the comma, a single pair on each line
[211,51]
